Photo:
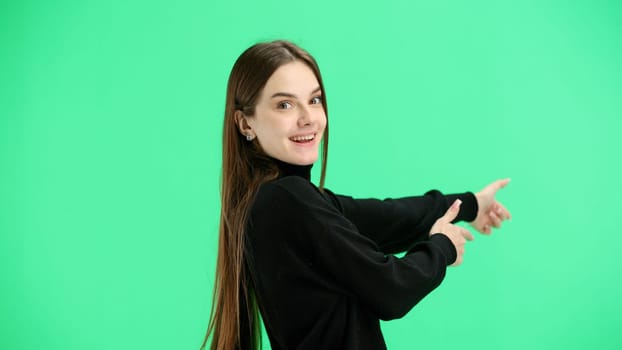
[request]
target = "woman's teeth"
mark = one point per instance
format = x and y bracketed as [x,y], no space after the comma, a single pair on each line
[303,138]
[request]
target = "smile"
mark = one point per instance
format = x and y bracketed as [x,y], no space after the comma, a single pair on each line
[303,139]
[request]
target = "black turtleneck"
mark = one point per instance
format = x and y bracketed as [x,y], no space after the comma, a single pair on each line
[288,169]
[323,264]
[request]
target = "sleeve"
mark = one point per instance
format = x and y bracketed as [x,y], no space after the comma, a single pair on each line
[396,224]
[389,286]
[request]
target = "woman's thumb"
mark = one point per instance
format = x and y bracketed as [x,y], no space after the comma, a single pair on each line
[453,211]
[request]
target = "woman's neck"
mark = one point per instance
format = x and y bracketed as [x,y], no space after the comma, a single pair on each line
[288,169]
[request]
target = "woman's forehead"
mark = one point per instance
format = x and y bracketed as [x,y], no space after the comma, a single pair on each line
[294,78]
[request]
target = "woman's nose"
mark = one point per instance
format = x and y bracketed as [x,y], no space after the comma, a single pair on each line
[304,118]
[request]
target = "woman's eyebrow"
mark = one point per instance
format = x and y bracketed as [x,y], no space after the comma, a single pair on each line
[283,94]
[286,94]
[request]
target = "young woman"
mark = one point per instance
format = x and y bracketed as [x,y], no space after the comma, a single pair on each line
[317,266]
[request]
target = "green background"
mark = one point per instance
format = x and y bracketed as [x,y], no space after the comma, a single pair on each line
[110,130]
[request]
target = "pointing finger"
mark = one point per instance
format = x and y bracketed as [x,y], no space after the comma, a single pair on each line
[502,183]
[499,184]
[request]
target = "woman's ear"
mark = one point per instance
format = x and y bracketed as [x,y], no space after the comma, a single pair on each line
[242,122]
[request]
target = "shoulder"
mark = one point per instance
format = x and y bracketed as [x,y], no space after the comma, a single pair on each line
[287,190]
[292,195]
[286,210]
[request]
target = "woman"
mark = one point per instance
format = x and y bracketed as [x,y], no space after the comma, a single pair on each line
[317,266]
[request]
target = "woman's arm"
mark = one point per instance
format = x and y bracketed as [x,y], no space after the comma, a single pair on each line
[395,225]
[298,236]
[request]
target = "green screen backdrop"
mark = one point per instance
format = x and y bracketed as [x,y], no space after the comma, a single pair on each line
[110,130]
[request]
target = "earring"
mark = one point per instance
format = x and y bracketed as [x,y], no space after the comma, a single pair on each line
[249,137]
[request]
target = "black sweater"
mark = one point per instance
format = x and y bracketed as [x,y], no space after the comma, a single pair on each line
[322,263]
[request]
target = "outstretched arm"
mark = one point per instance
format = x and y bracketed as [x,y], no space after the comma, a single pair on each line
[395,225]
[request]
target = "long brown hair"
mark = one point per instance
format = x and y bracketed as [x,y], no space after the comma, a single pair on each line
[234,318]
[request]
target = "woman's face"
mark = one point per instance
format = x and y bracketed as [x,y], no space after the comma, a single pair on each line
[289,118]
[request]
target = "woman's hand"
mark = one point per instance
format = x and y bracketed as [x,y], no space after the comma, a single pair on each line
[456,234]
[490,213]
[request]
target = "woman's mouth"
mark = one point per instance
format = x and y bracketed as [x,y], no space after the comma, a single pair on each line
[303,138]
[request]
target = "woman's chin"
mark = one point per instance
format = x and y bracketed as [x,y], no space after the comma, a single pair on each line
[306,160]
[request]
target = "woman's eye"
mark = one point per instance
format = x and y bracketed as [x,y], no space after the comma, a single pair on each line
[285,105]
[316,100]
